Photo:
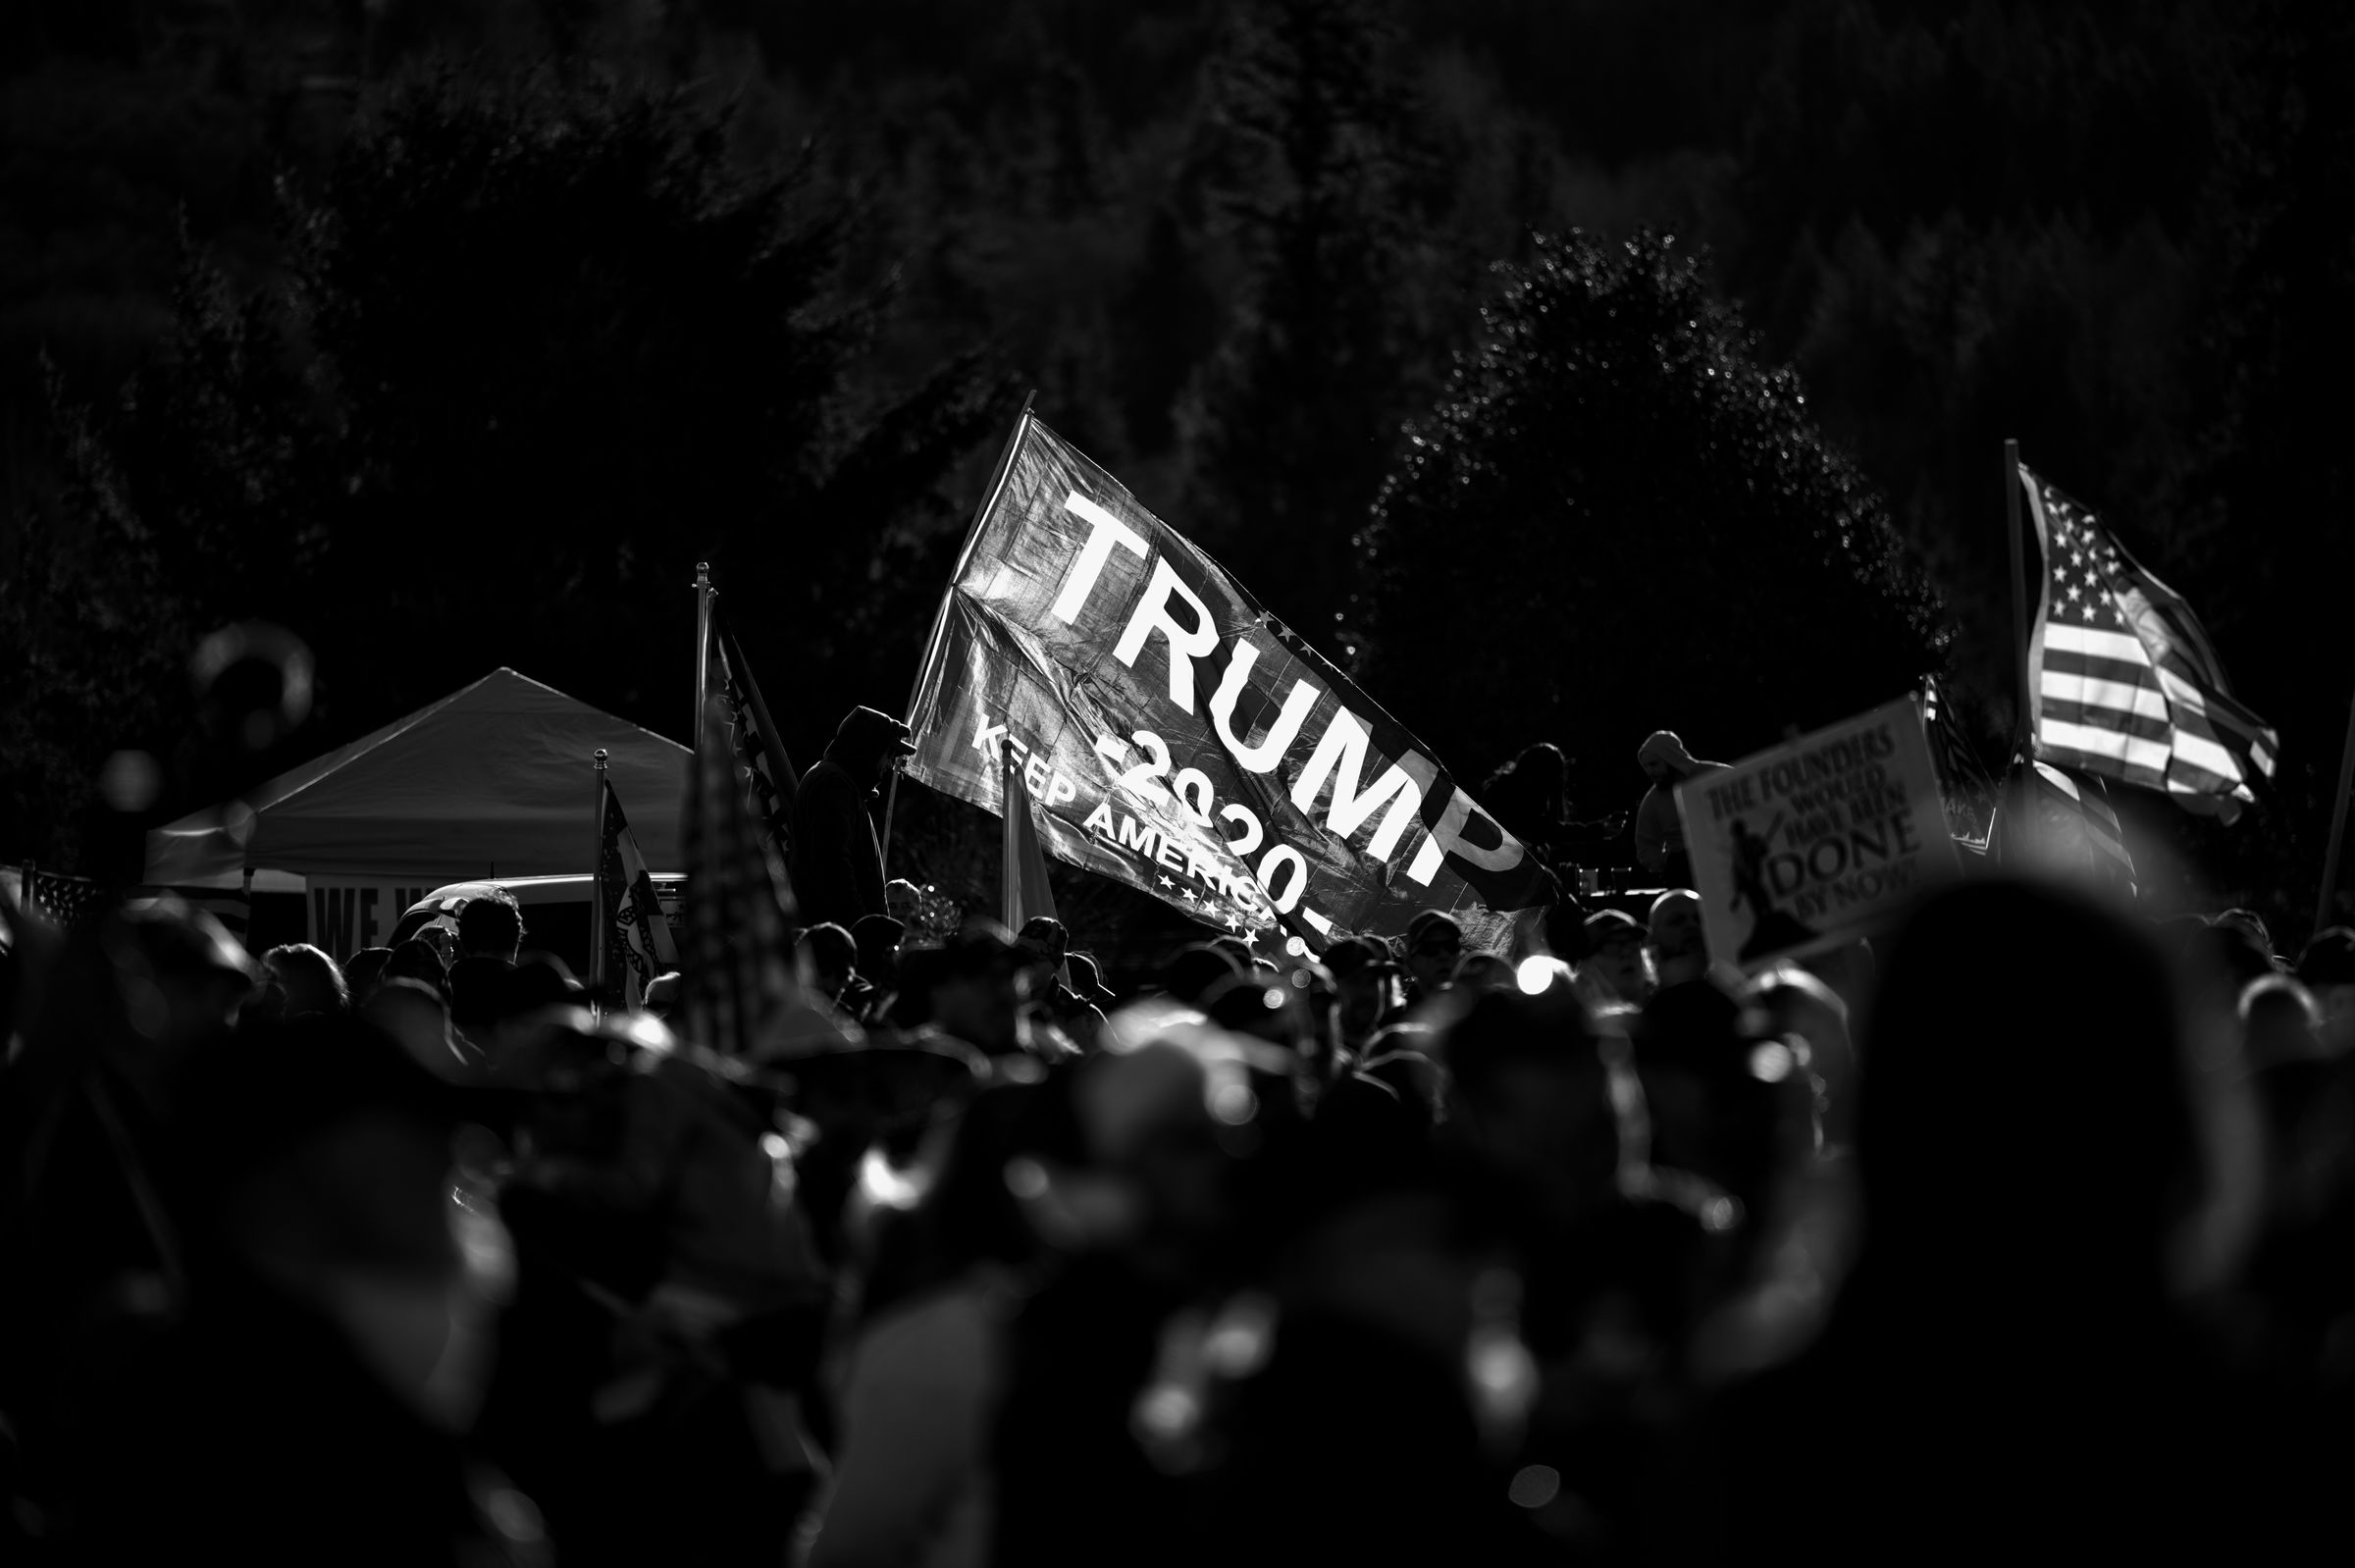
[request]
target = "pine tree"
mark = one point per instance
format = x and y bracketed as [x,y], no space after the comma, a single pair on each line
[1290,425]
[1619,520]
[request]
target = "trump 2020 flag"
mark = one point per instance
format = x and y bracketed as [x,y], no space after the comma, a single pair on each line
[635,943]
[1178,738]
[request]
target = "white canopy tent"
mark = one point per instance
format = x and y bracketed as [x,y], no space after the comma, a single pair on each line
[495,780]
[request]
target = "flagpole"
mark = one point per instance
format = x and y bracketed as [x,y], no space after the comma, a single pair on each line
[973,532]
[702,645]
[1009,883]
[2023,723]
[2338,825]
[597,936]
[940,618]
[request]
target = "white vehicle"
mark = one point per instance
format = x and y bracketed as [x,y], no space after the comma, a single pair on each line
[555,912]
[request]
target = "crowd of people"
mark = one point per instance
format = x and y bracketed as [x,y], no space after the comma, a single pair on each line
[2023,1229]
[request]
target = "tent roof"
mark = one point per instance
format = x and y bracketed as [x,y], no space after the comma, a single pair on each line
[493,780]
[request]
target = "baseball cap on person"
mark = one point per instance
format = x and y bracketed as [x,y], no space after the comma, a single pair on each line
[981,947]
[1426,930]
[1088,980]
[869,723]
[1703,1028]
[2329,958]
[1357,955]
[1044,928]
[1242,1005]
[1309,978]
[1606,927]
[878,937]
[1196,970]
[540,980]
[182,940]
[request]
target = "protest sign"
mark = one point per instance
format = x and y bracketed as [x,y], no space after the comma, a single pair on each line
[1807,845]
[1177,738]
[350,913]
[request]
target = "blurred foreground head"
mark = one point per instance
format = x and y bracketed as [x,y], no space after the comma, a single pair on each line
[1176,1117]
[970,986]
[1731,1096]
[137,991]
[1533,1091]
[2026,1093]
[318,1159]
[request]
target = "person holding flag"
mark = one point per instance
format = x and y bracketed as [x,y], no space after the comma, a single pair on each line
[837,860]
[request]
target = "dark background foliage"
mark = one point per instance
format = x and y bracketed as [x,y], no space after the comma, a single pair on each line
[1615,500]
[452,333]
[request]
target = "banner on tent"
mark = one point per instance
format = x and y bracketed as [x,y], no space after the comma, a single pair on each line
[1807,845]
[1177,738]
[349,913]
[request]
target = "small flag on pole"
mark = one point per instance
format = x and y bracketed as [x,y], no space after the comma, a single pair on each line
[1024,893]
[1964,785]
[770,780]
[636,936]
[2070,827]
[2124,682]
[743,991]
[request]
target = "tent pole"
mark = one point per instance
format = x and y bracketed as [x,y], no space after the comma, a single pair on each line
[891,804]
[702,645]
[2338,827]
[597,936]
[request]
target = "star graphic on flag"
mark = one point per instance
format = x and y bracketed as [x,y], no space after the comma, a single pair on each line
[1231,923]
[1165,883]
[1189,896]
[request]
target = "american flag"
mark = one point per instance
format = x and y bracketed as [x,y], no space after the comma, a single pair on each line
[2127,685]
[65,902]
[742,989]
[635,935]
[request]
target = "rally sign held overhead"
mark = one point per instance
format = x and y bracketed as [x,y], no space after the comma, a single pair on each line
[1177,738]
[1808,846]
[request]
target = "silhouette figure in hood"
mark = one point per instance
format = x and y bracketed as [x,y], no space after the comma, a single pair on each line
[837,860]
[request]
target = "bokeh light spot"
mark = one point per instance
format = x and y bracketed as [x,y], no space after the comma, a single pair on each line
[1234,1103]
[1535,1485]
[131,781]
[1536,972]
